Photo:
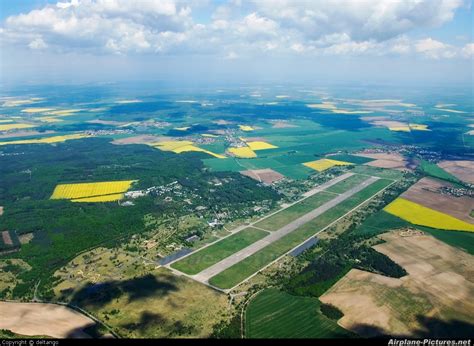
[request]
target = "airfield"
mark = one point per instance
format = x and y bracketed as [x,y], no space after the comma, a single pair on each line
[227,269]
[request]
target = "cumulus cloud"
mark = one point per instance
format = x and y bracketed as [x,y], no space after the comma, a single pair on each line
[336,27]
[468,50]
[37,43]
[96,25]
[434,49]
[362,20]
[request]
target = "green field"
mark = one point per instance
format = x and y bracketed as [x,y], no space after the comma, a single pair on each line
[347,183]
[358,160]
[210,255]
[240,271]
[433,170]
[282,218]
[378,172]
[276,314]
[383,222]
[295,171]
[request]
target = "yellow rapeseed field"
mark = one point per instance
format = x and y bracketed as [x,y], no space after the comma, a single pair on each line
[400,128]
[246,128]
[92,192]
[323,105]
[409,128]
[194,148]
[14,103]
[259,145]
[243,152]
[37,110]
[419,127]
[64,112]
[171,145]
[323,164]
[50,119]
[183,146]
[423,216]
[47,140]
[17,126]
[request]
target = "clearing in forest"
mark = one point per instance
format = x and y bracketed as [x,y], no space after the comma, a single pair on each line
[106,191]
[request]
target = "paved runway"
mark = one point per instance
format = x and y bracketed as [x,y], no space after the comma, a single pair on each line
[206,274]
[310,193]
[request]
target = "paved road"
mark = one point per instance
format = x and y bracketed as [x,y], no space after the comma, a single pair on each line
[307,194]
[206,274]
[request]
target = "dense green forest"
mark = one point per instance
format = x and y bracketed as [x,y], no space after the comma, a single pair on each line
[62,229]
[334,260]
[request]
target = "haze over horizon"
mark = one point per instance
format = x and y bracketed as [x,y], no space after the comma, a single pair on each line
[408,42]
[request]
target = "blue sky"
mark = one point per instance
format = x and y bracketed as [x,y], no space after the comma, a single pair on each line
[237,40]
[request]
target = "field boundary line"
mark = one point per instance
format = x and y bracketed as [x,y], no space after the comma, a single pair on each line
[315,234]
[238,229]
[243,314]
[70,306]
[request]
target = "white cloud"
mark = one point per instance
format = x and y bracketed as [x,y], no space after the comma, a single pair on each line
[336,27]
[434,49]
[104,25]
[37,43]
[468,50]
[362,20]
[231,56]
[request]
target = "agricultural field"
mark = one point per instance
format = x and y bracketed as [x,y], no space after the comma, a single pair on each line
[15,126]
[43,319]
[46,140]
[179,147]
[423,216]
[425,302]
[323,164]
[260,145]
[275,314]
[242,152]
[216,252]
[433,170]
[267,176]
[429,193]
[105,191]
[382,222]
[385,160]
[463,170]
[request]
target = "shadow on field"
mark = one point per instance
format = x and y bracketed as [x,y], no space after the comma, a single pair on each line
[89,331]
[97,295]
[430,328]
[147,320]
[152,324]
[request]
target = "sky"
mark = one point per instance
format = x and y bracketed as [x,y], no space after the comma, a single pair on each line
[237,41]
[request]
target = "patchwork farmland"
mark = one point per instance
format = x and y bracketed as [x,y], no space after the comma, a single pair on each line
[232,260]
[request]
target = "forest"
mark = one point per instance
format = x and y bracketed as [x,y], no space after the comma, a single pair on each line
[63,229]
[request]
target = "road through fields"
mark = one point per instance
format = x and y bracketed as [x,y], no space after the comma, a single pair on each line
[215,269]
